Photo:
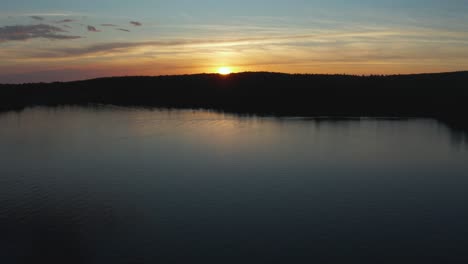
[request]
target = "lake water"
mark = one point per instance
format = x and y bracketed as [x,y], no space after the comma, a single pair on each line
[118,185]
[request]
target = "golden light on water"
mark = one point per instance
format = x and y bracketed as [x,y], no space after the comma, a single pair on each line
[224,70]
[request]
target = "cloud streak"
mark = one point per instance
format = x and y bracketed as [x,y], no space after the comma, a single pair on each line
[92,29]
[136,23]
[113,47]
[364,40]
[65,21]
[19,32]
[39,18]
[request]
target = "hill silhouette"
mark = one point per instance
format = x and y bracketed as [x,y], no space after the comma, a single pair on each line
[442,96]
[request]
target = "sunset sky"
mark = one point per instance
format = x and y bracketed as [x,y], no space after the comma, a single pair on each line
[58,40]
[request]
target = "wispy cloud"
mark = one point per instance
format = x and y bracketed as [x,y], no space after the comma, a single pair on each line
[136,23]
[18,32]
[92,29]
[108,25]
[348,41]
[48,14]
[112,47]
[39,18]
[65,21]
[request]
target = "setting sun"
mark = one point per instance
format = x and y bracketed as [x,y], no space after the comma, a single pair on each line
[224,70]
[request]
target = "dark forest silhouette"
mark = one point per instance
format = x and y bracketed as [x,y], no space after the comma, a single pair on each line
[442,96]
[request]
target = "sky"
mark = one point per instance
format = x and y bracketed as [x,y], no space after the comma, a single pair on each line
[61,40]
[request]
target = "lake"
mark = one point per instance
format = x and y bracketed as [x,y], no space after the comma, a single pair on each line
[121,185]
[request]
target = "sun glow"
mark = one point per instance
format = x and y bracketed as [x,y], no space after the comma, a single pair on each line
[224,71]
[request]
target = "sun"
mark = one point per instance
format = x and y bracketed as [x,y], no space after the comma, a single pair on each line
[224,70]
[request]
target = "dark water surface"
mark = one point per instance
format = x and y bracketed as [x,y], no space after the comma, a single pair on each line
[116,185]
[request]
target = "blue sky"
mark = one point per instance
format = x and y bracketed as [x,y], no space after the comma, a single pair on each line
[61,40]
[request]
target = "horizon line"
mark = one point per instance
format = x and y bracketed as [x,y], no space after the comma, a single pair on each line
[237,73]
